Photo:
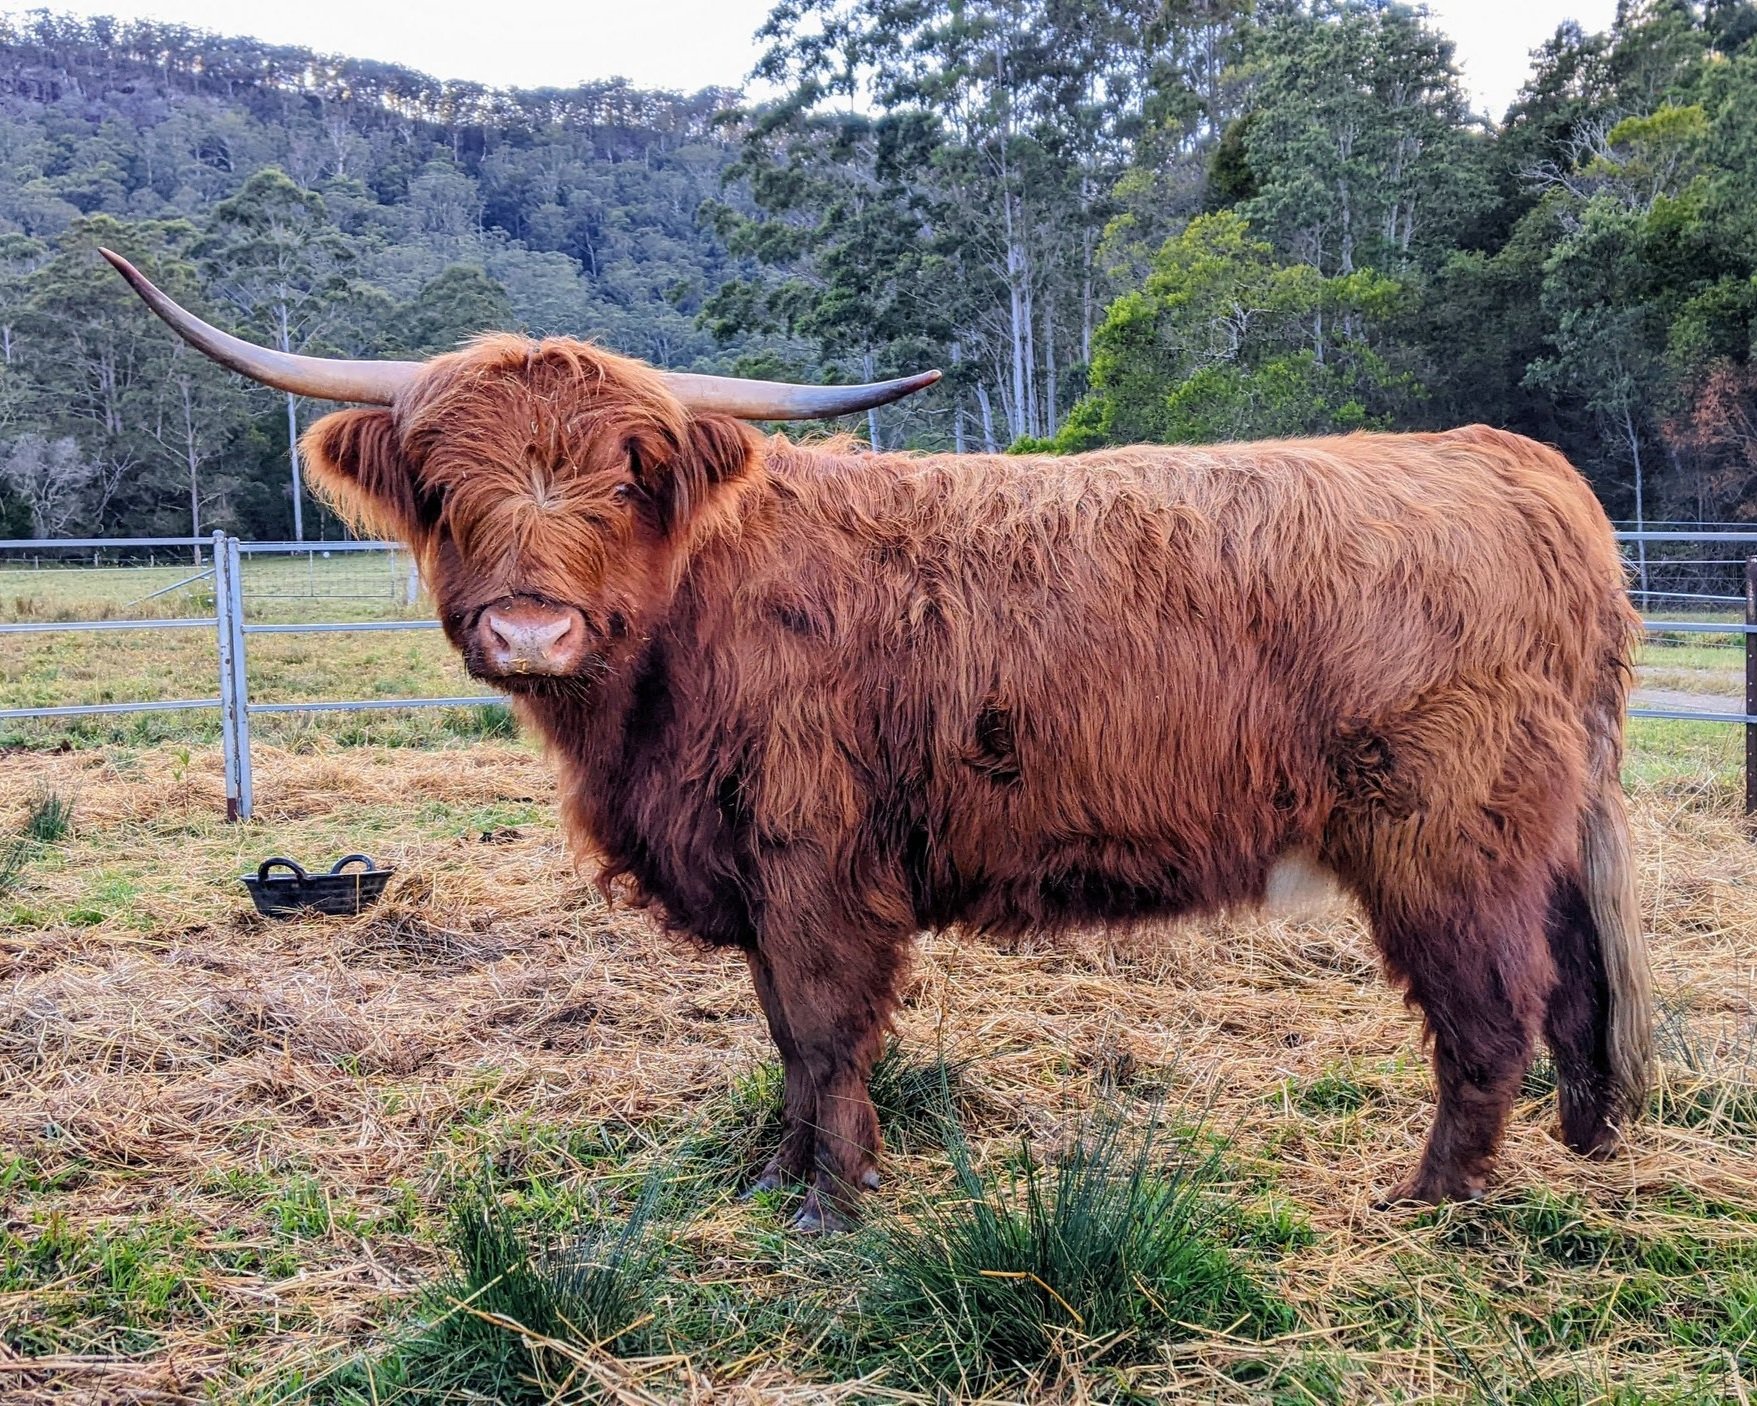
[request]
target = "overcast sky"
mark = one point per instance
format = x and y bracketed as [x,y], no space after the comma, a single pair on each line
[690,44]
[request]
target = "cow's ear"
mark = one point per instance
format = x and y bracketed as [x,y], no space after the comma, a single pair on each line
[716,451]
[356,462]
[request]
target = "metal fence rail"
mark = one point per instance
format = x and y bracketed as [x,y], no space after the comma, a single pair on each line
[231,632]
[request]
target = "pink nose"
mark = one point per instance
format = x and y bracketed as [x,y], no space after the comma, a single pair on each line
[530,637]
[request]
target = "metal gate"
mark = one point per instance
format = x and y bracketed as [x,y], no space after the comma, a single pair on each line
[231,629]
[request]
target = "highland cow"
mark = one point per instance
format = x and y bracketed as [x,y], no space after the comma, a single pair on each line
[808,701]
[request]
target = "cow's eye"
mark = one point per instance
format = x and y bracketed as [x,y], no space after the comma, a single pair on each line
[430,502]
[625,492]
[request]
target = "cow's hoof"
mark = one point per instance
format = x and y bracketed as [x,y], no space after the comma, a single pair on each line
[771,1179]
[869,1179]
[1427,1189]
[817,1218]
[1597,1141]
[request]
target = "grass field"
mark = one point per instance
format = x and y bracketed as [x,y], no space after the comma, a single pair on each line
[48,670]
[486,1142]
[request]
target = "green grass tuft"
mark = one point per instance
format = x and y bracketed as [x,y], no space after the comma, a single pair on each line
[920,1101]
[14,855]
[48,821]
[1714,1093]
[50,818]
[1333,1094]
[1097,1258]
[521,1312]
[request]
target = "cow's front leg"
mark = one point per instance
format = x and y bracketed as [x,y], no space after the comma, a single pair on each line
[793,1158]
[829,1002]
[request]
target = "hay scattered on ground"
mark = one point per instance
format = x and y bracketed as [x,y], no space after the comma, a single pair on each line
[303,1095]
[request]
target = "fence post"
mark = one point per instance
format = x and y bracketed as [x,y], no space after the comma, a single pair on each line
[240,682]
[1750,686]
[234,684]
[223,632]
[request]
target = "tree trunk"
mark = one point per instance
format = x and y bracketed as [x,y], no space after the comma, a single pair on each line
[1015,295]
[958,401]
[1346,254]
[1085,279]
[1016,401]
[872,420]
[293,458]
[284,323]
[194,508]
[1634,437]
[1086,306]
[987,409]
[192,457]
[1049,413]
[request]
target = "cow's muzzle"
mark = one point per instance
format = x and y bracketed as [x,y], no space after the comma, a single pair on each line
[521,635]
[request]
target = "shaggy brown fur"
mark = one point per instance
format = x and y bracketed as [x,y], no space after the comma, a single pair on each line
[834,698]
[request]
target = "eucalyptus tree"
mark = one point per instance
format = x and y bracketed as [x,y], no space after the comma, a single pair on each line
[846,247]
[196,414]
[460,302]
[20,256]
[1215,345]
[1019,116]
[93,368]
[1362,147]
[272,253]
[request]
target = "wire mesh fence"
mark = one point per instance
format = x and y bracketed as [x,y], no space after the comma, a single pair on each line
[372,577]
[1696,566]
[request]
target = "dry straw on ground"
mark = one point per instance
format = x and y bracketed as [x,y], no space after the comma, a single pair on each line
[168,1059]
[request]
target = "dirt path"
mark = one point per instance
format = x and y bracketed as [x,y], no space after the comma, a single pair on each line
[1684,702]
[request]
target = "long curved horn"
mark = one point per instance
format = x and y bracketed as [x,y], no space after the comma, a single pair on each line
[777,400]
[360,382]
[377,382]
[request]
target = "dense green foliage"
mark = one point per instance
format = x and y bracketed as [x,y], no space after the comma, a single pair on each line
[1296,221]
[322,205]
[1108,220]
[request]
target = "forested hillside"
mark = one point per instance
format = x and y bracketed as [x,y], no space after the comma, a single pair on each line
[1215,219]
[1108,220]
[324,205]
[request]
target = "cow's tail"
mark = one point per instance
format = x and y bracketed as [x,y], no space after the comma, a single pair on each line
[1607,866]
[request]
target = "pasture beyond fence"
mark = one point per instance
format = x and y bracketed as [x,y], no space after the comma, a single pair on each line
[385,575]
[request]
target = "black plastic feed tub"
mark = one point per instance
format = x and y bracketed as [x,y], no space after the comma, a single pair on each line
[343,892]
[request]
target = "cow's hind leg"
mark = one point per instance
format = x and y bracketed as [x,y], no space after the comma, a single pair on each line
[1479,975]
[1451,828]
[1577,1022]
